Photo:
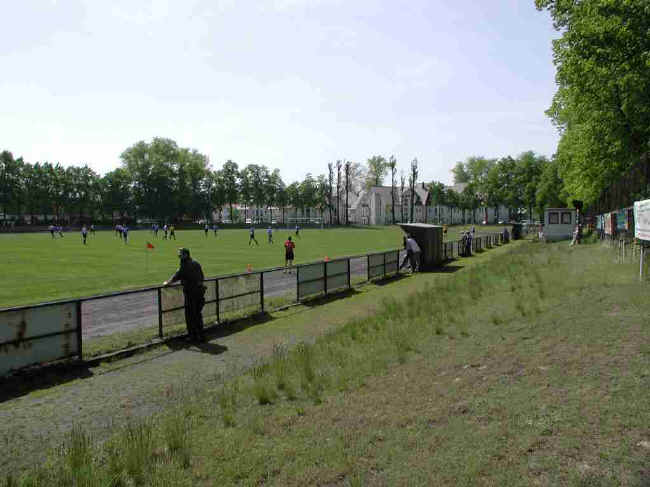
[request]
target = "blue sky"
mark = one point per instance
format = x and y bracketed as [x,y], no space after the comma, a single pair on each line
[292,84]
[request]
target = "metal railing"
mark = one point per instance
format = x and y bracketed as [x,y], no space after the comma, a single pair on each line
[458,248]
[47,332]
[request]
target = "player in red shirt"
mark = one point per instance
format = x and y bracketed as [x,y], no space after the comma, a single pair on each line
[288,254]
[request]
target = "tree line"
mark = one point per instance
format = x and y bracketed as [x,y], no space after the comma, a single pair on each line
[525,184]
[160,180]
[602,103]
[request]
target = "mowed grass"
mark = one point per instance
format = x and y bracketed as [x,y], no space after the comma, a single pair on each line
[38,268]
[505,373]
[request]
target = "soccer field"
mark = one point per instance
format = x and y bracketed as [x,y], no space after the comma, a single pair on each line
[39,268]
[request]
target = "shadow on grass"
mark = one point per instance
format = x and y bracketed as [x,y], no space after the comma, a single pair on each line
[330,298]
[203,347]
[390,279]
[35,378]
[226,328]
[446,269]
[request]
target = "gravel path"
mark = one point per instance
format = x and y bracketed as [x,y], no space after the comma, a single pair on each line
[135,387]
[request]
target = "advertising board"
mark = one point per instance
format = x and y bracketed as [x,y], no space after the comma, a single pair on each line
[621,220]
[608,223]
[642,219]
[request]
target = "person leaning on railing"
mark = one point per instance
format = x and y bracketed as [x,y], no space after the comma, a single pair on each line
[191,276]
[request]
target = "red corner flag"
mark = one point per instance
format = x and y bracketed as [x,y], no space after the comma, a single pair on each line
[149,245]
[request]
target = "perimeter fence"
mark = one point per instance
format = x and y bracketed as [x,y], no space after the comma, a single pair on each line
[47,332]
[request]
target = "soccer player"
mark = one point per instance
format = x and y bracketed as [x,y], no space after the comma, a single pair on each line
[60,228]
[191,276]
[155,230]
[252,236]
[51,228]
[206,229]
[125,234]
[165,230]
[172,232]
[298,231]
[269,233]
[92,229]
[215,228]
[84,233]
[288,254]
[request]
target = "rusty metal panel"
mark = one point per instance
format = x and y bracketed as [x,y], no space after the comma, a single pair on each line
[37,335]
[32,322]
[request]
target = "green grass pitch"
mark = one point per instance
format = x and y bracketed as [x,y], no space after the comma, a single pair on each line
[38,268]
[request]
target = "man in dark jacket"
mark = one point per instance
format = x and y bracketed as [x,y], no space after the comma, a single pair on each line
[191,276]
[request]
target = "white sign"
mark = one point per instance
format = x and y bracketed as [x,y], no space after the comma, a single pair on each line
[642,219]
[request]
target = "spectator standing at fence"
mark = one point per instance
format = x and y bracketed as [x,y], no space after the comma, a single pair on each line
[251,237]
[172,231]
[269,233]
[288,254]
[468,244]
[84,234]
[415,253]
[191,276]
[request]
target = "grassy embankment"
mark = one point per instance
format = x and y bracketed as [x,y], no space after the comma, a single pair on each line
[533,368]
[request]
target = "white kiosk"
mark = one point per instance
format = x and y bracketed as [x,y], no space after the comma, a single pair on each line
[559,223]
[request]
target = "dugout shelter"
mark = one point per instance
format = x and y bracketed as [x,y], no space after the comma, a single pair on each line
[429,239]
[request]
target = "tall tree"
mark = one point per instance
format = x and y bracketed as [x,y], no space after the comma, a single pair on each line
[321,199]
[348,175]
[330,191]
[230,175]
[392,165]
[460,173]
[437,192]
[377,169]
[527,175]
[339,164]
[402,195]
[550,191]
[9,182]
[602,104]
[413,178]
